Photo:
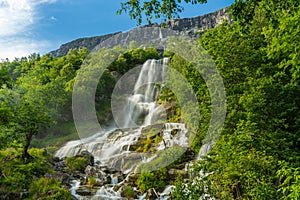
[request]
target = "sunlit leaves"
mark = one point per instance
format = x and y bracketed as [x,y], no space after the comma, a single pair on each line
[154,9]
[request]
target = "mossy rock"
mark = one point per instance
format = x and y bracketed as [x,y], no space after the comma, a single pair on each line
[152,130]
[149,139]
[88,156]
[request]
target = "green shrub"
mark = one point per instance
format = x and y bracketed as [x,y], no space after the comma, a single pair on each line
[178,192]
[46,189]
[17,174]
[148,180]
[158,139]
[77,163]
[92,181]
[128,192]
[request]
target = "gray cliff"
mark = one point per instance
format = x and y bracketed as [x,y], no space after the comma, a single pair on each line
[194,27]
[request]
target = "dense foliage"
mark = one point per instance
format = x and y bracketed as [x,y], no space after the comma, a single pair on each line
[156,180]
[48,188]
[257,156]
[36,105]
[17,175]
[154,9]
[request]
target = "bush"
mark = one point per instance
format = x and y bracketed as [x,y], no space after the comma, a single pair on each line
[128,192]
[17,174]
[45,188]
[77,163]
[148,180]
[92,181]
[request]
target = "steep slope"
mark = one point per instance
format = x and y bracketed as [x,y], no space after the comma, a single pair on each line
[195,27]
[89,43]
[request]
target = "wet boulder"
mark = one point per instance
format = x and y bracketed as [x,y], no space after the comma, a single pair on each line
[88,156]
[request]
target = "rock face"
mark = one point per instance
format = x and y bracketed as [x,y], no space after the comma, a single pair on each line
[89,43]
[194,27]
[197,25]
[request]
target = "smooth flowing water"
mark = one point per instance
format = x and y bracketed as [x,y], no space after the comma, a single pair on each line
[111,148]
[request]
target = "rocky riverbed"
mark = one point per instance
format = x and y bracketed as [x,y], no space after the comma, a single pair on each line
[100,182]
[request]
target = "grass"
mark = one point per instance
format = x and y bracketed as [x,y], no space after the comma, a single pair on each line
[57,136]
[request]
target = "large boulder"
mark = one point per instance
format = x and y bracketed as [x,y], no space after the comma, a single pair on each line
[84,191]
[149,139]
[88,156]
[101,177]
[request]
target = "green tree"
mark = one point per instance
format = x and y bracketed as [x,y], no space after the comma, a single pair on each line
[31,118]
[258,58]
[154,9]
[5,78]
[6,117]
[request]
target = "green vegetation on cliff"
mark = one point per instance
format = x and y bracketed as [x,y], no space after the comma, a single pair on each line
[257,156]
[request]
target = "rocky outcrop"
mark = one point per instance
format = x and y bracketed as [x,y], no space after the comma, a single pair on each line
[112,180]
[198,25]
[194,27]
[89,43]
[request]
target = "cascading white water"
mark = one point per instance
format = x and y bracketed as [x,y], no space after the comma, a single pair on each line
[142,103]
[112,148]
[169,140]
[108,147]
[205,148]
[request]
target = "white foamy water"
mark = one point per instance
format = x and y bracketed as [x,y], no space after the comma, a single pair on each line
[111,148]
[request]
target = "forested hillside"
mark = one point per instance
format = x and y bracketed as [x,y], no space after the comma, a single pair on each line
[257,155]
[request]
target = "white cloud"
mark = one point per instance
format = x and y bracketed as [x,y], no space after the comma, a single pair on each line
[17,20]
[52,18]
[15,17]
[19,47]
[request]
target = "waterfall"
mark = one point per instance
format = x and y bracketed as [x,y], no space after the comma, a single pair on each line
[169,139]
[111,148]
[142,103]
[114,179]
[205,148]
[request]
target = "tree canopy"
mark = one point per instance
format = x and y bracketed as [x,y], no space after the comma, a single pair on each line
[257,156]
[154,9]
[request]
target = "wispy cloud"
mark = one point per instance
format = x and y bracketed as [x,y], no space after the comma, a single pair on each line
[19,47]
[52,18]
[17,20]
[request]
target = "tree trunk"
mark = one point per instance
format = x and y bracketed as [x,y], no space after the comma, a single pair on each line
[25,154]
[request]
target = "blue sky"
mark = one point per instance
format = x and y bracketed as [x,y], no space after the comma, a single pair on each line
[28,26]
